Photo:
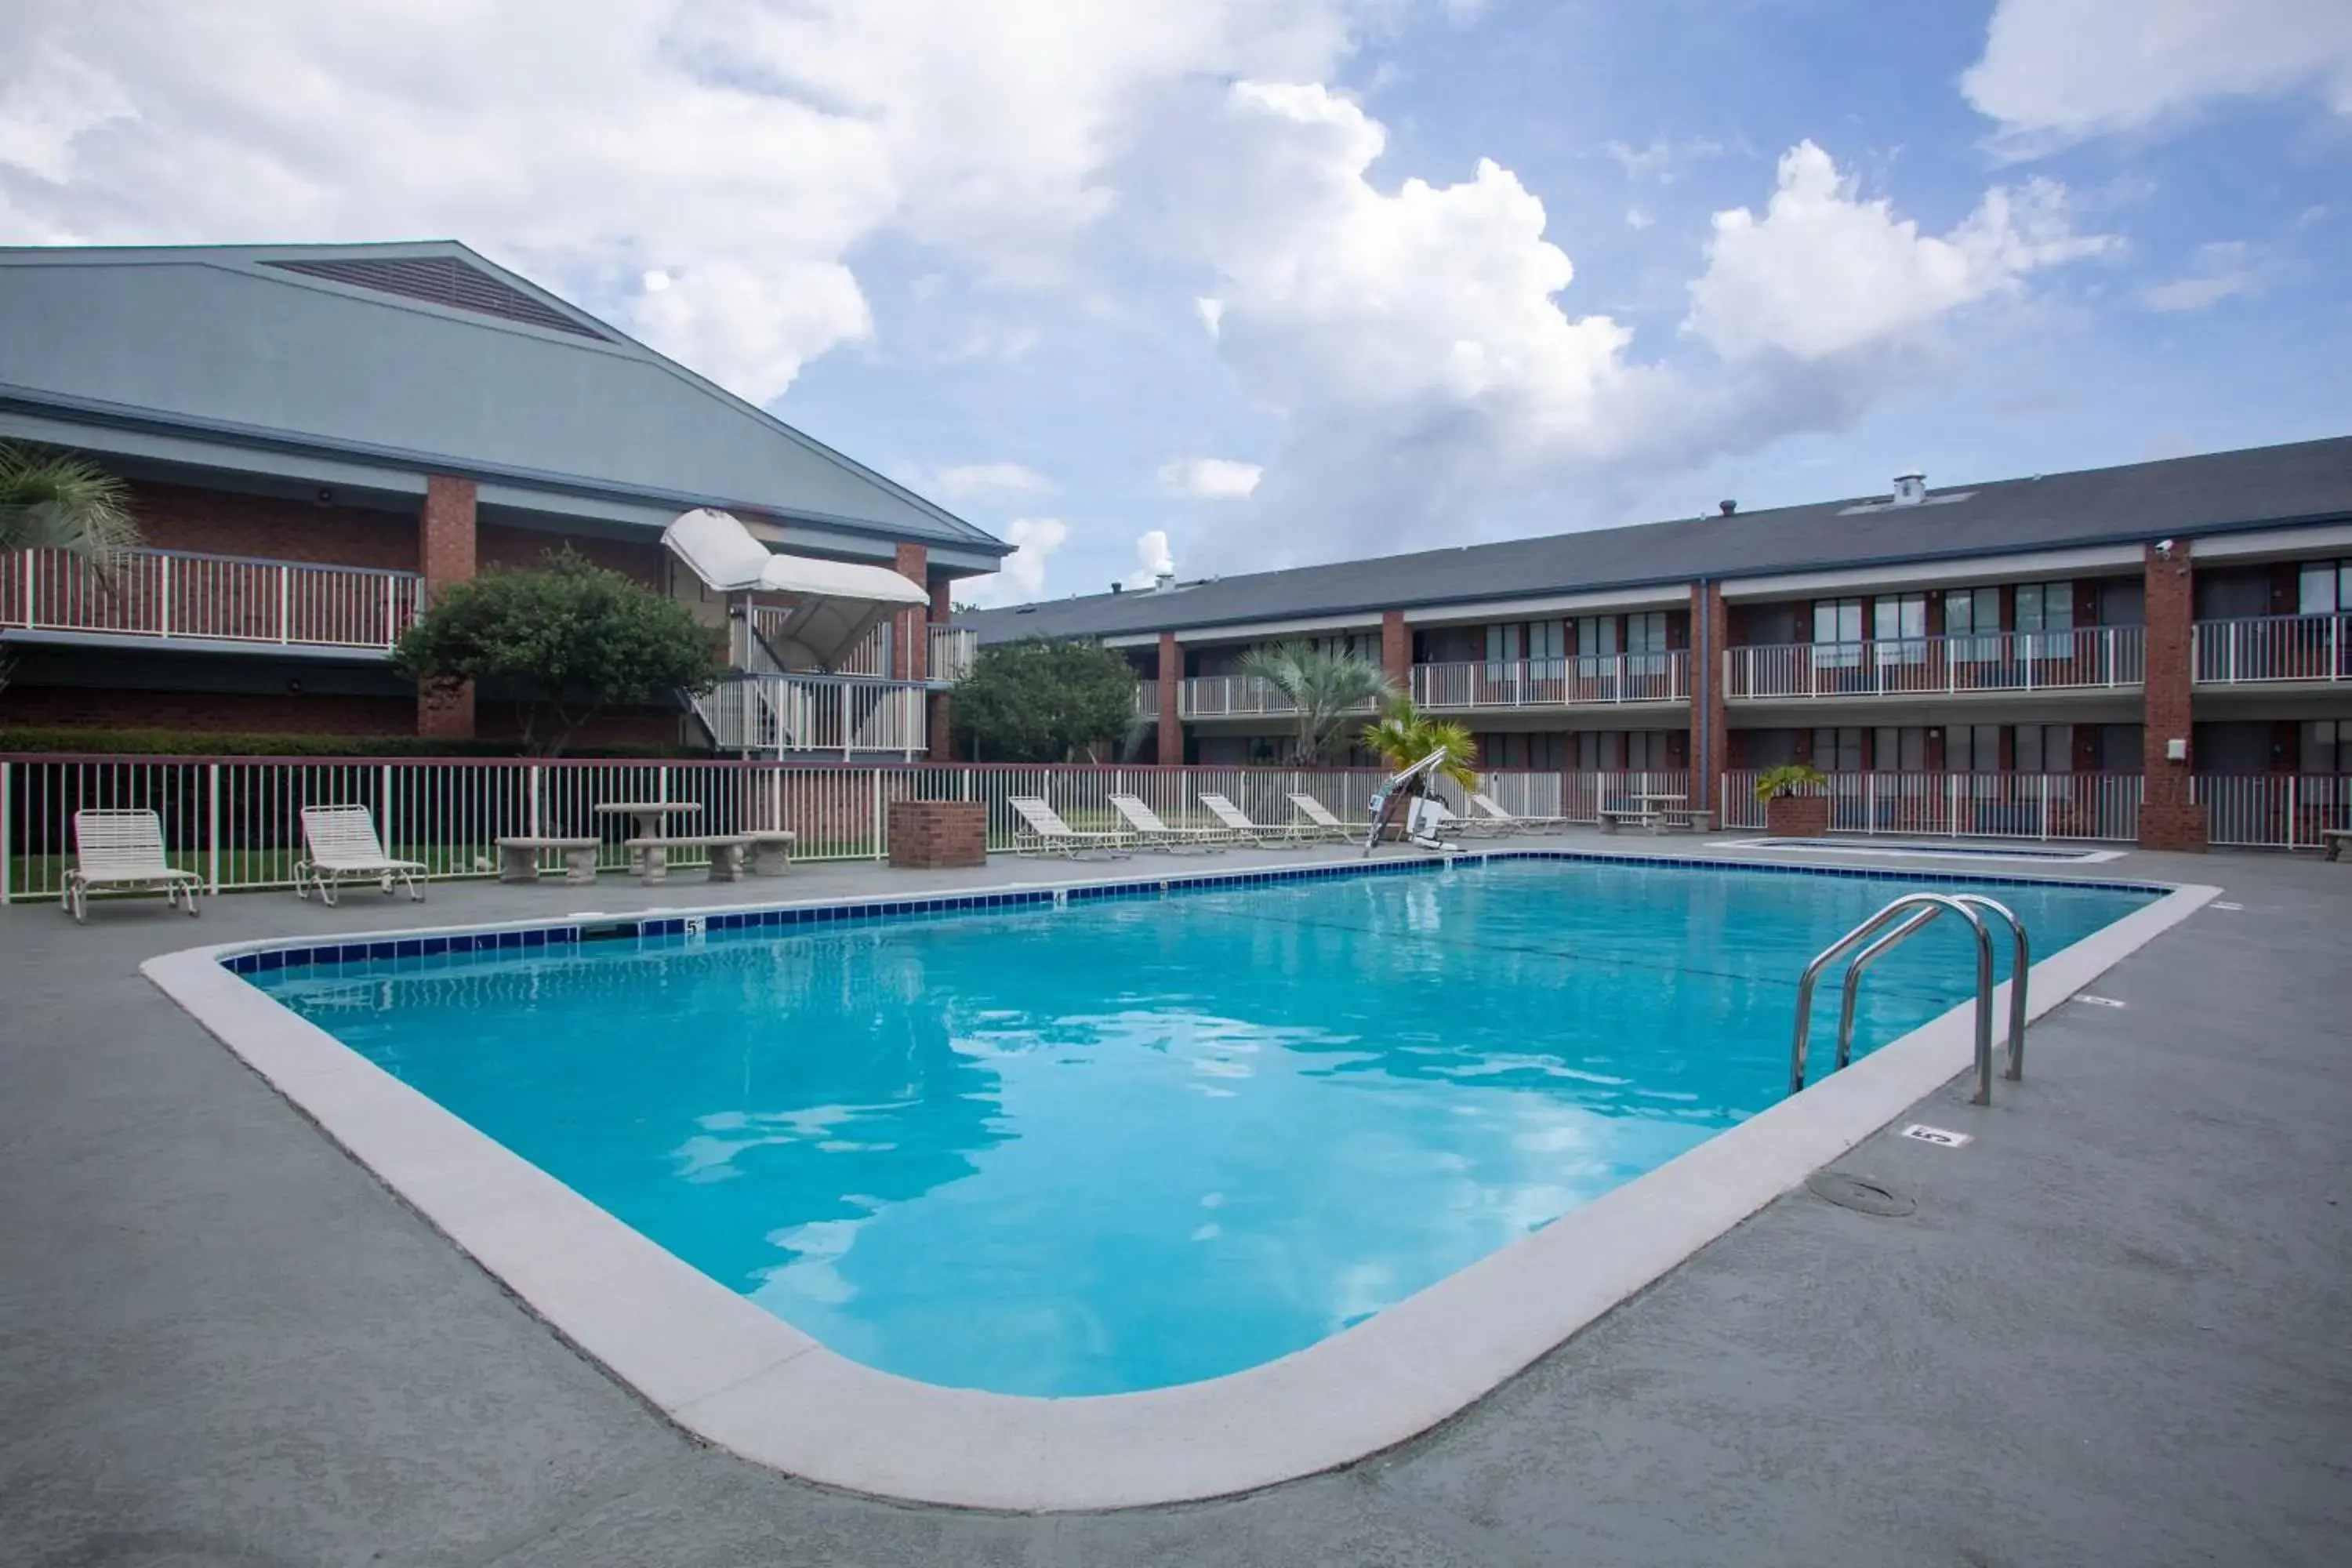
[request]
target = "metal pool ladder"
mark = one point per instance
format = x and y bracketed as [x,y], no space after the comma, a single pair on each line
[1922,909]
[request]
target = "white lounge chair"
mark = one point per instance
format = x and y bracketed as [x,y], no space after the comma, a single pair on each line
[340,842]
[1041,830]
[1151,833]
[1504,822]
[1237,823]
[122,852]
[1323,825]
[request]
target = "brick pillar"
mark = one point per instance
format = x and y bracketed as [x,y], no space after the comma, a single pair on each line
[1171,676]
[1710,732]
[445,551]
[1396,649]
[914,642]
[2167,820]
[941,706]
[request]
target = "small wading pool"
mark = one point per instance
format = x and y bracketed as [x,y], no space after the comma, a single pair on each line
[1145,1141]
[1939,849]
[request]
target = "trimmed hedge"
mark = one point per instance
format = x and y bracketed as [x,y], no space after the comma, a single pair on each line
[189,743]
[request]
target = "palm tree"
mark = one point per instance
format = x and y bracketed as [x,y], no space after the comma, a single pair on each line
[1327,690]
[1405,735]
[53,500]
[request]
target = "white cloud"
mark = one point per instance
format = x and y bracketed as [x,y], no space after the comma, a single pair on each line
[986,481]
[1636,219]
[743,149]
[2218,271]
[1211,313]
[1415,343]
[2056,71]
[1021,577]
[1152,558]
[1661,160]
[1210,478]
[1824,272]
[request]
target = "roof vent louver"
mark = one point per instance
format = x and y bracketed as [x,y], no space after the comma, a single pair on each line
[1910,490]
[441,280]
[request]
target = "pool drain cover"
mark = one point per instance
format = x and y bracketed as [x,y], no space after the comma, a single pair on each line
[1859,1193]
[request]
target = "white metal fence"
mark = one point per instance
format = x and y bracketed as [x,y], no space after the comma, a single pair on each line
[2274,811]
[2274,648]
[173,595]
[1554,682]
[1996,806]
[951,653]
[777,715]
[1985,661]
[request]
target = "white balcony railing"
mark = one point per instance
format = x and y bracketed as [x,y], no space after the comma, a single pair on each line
[2092,657]
[1238,696]
[1998,806]
[173,595]
[2275,648]
[1584,680]
[950,654]
[794,715]
[1147,698]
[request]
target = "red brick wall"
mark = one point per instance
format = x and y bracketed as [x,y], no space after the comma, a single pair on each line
[222,523]
[1710,732]
[619,727]
[927,835]
[2167,819]
[527,548]
[228,712]
[913,654]
[1396,649]
[1171,675]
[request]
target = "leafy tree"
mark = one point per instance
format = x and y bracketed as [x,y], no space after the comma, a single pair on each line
[1326,689]
[1404,735]
[55,500]
[1043,700]
[573,638]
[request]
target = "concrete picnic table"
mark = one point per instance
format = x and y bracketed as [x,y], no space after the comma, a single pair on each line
[648,814]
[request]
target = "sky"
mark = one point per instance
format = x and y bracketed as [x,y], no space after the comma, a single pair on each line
[1234,284]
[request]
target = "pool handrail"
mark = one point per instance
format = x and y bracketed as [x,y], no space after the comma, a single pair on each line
[1929,905]
[2019,970]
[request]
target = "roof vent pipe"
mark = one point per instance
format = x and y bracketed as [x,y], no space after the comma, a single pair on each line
[1910,490]
[1727,506]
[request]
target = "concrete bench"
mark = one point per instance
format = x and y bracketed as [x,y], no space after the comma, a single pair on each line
[2334,839]
[1616,817]
[771,851]
[519,858]
[725,855]
[1690,821]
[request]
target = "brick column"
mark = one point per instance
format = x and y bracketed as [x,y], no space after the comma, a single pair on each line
[914,642]
[1171,676]
[940,706]
[1396,649]
[445,553]
[2167,820]
[1710,732]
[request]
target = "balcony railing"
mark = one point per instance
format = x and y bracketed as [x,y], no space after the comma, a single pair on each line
[1238,696]
[172,595]
[1147,698]
[793,715]
[2271,648]
[2283,811]
[1594,679]
[951,652]
[2010,662]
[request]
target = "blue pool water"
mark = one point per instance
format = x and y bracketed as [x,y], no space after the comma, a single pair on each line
[1144,1141]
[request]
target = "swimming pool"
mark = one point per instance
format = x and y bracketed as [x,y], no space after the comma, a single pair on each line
[1131,1143]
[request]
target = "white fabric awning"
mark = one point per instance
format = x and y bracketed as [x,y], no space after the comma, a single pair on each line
[838,602]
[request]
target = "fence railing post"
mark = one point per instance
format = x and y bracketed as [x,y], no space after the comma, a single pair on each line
[212,829]
[7,831]
[164,611]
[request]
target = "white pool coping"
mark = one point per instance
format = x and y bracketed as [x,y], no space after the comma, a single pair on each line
[739,1377]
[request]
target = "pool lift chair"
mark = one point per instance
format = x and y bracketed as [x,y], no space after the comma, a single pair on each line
[1424,817]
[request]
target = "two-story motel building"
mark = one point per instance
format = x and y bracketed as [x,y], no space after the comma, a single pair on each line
[318,439]
[2128,653]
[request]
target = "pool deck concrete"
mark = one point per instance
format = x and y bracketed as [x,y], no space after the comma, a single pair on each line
[2114,1330]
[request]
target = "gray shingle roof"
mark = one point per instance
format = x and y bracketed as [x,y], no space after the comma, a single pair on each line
[426,349]
[2304,482]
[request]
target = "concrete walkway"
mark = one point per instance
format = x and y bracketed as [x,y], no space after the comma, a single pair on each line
[2114,1330]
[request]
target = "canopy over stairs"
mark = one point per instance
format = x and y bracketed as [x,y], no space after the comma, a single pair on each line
[836,603]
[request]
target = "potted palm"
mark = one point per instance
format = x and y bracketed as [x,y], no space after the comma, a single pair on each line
[1795,804]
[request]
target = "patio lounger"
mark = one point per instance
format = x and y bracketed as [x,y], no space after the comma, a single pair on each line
[1506,822]
[122,852]
[1041,830]
[341,841]
[1323,824]
[1153,834]
[1237,823]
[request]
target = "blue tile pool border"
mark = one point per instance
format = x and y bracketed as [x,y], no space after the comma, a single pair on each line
[579,932]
